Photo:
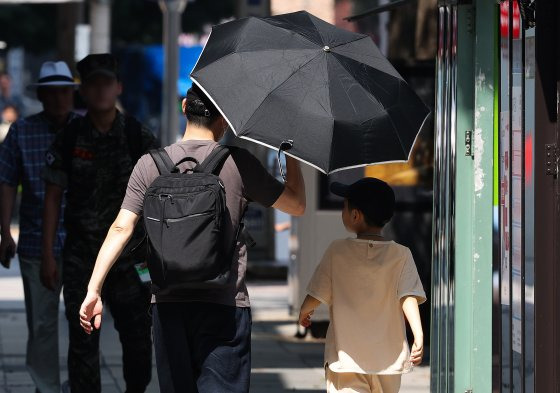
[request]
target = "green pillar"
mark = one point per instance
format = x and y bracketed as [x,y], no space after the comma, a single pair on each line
[476,52]
[464,203]
[461,358]
[484,73]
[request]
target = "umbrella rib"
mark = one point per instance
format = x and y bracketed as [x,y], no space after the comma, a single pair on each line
[373,80]
[365,64]
[224,56]
[285,80]
[288,30]
[314,43]
[367,91]
[394,129]
[361,36]
[349,42]
[238,52]
[380,103]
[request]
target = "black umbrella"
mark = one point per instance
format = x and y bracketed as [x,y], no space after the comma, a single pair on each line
[295,77]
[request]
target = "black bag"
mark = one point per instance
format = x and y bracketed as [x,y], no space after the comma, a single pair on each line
[185,219]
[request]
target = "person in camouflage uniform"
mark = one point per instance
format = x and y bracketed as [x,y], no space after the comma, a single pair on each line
[92,159]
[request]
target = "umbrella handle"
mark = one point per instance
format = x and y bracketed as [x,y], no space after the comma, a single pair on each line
[284,146]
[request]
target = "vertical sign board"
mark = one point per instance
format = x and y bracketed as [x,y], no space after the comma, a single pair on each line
[512,191]
[529,212]
[516,180]
[505,198]
[517,206]
[504,152]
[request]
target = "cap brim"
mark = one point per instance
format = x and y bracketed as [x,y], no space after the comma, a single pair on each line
[340,189]
[102,72]
[53,84]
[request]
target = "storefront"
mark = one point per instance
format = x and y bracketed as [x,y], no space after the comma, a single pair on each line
[496,263]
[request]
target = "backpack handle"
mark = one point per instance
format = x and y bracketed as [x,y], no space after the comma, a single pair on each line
[191,159]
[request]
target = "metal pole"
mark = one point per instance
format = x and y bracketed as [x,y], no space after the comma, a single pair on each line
[100,21]
[172,10]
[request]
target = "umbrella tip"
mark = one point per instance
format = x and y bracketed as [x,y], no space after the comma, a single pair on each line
[326,48]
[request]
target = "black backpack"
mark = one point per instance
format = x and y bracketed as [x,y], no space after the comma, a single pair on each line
[185,219]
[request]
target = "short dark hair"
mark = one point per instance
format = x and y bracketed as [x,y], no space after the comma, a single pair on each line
[194,108]
[200,110]
[10,106]
[370,221]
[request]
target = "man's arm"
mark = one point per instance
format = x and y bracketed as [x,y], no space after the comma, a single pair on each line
[412,314]
[10,177]
[51,215]
[292,199]
[7,244]
[118,236]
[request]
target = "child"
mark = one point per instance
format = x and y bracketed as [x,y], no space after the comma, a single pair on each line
[368,283]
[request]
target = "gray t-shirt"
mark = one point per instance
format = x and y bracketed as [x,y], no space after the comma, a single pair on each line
[245,180]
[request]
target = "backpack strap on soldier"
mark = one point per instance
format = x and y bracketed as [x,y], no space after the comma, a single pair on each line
[133,133]
[70,136]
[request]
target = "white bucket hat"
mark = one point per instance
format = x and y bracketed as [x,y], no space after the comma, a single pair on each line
[54,74]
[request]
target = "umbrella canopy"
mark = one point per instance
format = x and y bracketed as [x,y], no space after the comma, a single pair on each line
[296,77]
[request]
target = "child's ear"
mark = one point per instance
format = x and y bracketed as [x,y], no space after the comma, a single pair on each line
[355,215]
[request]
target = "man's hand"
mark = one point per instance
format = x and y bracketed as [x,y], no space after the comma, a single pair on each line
[49,272]
[7,249]
[292,200]
[417,353]
[7,244]
[91,308]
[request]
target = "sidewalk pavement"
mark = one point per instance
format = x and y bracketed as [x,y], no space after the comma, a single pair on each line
[281,362]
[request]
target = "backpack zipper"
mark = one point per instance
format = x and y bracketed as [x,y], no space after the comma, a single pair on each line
[167,220]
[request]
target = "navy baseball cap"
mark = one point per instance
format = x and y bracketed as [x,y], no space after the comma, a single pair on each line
[98,64]
[373,197]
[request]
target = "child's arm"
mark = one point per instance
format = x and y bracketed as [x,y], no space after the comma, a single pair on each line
[307,308]
[412,314]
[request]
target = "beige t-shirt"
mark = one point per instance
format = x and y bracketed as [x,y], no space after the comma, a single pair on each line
[362,282]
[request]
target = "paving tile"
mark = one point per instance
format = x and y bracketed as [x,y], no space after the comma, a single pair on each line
[281,363]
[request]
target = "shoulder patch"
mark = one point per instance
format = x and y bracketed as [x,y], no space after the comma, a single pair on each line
[50,158]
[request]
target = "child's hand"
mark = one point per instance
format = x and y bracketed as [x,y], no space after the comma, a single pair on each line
[305,318]
[306,310]
[417,353]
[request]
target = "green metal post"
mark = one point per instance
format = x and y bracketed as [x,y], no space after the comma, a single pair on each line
[464,201]
[474,197]
[484,58]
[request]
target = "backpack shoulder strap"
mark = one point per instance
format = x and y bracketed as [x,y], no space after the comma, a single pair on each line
[214,161]
[70,136]
[133,132]
[163,161]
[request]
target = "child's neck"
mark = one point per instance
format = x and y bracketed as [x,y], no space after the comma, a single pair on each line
[370,233]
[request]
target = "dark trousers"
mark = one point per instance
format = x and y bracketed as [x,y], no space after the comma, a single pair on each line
[128,301]
[202,347]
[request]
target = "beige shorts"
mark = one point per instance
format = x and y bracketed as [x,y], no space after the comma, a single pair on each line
[361,383]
